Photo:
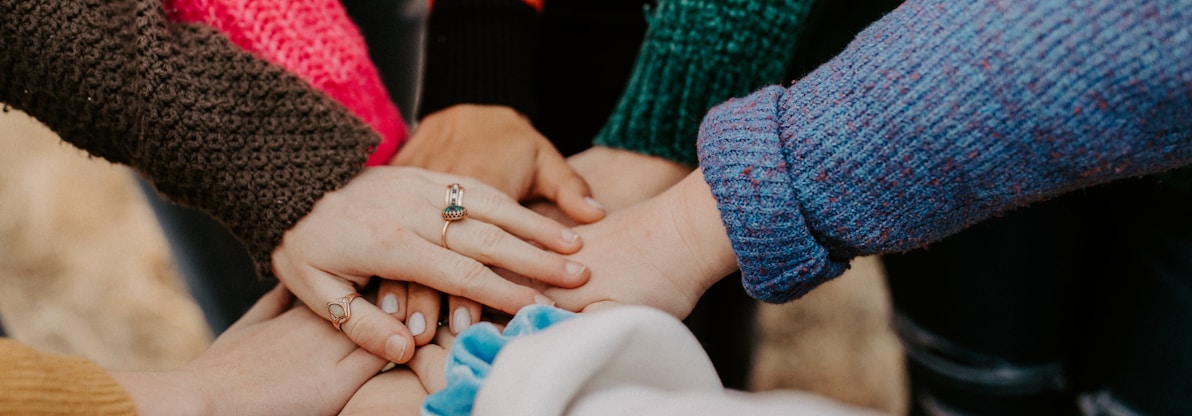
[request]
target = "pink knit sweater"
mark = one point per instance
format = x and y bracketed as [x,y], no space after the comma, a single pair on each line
[313,39]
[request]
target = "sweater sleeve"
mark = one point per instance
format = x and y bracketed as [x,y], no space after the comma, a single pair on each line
[940,115]
[480,52]
[38,383]
[209,125]
[697,54]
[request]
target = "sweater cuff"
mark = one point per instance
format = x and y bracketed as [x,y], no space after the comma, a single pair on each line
[697,54]
[779,257]
[480,52]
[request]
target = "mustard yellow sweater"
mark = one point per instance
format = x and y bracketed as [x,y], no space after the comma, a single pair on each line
[34,383]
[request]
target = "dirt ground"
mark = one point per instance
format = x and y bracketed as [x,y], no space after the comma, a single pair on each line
[84,270]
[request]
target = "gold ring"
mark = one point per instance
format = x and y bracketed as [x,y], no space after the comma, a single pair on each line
[443,240]
[455,210]
[341,310]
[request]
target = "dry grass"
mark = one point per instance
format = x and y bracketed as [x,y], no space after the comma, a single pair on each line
[84,270]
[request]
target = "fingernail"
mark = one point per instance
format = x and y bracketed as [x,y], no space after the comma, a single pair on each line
[389,303]
[460,320]
[395,348]
[570,236]
[543,300]
[574,268]
[594,203]
[417,324]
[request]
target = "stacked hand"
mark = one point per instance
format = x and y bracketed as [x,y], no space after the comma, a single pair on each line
[387,222]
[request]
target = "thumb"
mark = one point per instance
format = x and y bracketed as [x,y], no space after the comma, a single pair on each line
[557,182]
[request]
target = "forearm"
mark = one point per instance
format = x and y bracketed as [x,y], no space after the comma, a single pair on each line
[208,124]
[939,116]
[159,393]
[696,54]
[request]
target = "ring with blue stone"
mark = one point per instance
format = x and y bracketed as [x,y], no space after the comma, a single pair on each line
[454,213]
[455,210]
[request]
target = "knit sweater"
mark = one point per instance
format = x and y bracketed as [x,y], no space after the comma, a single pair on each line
[39,383]
[940,115]
[210,125]
[696,53]
[313,39]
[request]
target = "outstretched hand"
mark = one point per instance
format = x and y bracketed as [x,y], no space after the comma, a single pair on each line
[664,252]
[276,360]
[387,222]
[500,147]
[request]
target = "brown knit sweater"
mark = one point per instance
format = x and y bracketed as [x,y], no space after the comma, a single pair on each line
[209,125]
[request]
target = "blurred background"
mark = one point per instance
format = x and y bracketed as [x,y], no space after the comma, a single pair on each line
[85,270]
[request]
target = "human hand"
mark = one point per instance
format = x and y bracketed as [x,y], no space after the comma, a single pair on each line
[386,222]
[500,147]
[618,178]
[664,252]
[276,360]
[394,392]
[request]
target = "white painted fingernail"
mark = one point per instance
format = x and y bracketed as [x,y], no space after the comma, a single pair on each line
[575,269]
[417,324]
[389,303]
[570,236]
[543,300]
[594,203]
[395,348]
[460,320]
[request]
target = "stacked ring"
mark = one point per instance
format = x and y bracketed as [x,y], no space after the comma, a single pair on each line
[454,211]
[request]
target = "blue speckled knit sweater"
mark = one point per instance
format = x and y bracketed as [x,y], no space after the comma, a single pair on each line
[940,115]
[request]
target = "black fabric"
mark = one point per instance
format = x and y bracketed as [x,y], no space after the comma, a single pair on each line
[393,30]
[1099,280]
[501,34]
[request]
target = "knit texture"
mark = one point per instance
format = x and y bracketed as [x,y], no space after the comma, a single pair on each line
[313,39]
[697,53]
[35,383]
[480,52]
[211,126]
[940,115]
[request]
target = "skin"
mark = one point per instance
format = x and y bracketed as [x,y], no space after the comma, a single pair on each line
[250,368]
[501,148]
[385,223]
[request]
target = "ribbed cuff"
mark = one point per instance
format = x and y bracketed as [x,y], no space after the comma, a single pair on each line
[697,54]
[480,52]
[779,257]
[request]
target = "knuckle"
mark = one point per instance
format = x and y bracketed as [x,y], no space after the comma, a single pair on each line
[471,275]
[490,237]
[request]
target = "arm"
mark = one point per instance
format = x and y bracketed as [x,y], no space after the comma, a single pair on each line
[938,116]
[478,105]
[207,124]
[214,127]
[695,54]
[256,354]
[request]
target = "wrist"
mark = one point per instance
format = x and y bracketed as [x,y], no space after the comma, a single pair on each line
[698,228]
[166,392]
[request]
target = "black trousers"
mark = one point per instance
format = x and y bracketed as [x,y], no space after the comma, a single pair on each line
[1078,305]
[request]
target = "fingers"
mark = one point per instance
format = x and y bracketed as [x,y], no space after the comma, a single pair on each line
[451,273]
[366,325]
[556,181]
[270,305]
[429,364]
[422,312]
[464,313]
[392,298]
[491,245]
